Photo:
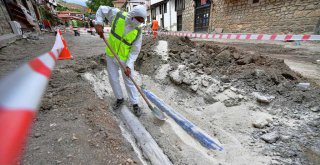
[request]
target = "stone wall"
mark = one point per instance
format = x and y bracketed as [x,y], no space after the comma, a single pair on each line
[188,16]
[5,27]
[266,16]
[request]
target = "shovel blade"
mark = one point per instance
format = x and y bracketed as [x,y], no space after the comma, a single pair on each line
[158,113]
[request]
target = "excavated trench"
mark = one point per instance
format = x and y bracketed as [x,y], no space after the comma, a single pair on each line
[252,104]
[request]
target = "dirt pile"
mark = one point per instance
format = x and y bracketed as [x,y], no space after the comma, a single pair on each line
[73,125]
[209,70]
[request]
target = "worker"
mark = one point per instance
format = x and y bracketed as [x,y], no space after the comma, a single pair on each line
[126,40]
[154,27]
[75,27]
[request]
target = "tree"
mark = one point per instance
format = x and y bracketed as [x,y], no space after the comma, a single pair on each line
[94,4]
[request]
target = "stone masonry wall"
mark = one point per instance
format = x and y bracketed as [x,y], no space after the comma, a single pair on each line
[266,16]
[5,27]
[188,16]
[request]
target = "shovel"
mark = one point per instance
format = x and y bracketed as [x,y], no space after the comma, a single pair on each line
[156,112]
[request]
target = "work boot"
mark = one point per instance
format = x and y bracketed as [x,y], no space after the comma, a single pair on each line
[136,110]
[118,104]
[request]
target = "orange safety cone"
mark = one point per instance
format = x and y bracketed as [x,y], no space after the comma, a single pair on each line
[65,53]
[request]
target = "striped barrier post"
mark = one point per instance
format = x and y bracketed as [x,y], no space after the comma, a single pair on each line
[20,95]
[189,127]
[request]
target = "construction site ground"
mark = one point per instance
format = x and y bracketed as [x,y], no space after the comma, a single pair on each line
[246,95]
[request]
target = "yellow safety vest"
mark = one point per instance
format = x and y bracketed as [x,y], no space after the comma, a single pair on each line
[119,42]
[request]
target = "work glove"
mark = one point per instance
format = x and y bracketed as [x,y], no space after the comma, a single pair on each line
[127,71]
[99,30]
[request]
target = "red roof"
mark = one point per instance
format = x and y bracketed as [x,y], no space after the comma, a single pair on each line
[66,16]
[67,12]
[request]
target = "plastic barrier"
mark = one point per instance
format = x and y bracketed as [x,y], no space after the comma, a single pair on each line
[20,96]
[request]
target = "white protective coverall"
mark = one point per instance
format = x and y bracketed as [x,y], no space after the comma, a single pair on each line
[112,64]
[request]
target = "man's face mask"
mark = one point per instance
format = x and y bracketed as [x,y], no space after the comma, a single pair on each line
[136,21]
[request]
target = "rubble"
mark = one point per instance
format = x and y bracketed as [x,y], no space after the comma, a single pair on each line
[263,98]
[262,121]
[271,137]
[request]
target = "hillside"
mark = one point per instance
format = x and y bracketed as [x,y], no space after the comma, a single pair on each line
[83,9]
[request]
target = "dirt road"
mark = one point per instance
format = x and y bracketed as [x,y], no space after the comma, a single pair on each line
[214,85]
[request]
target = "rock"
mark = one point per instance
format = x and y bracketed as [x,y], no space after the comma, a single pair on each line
[192,66]
[129,162]
[188,77]
[270,137]
[200,71]
[80,69]
[208,71]
[193,50]
[315,109]
[263,99]
[36,135]
[93,65]
[210,99]
[231,102]
[225,79]
[303,86]
[173,51]
[244,61]
[162,72]
[236,56]
[194,87]
[36,148]
[285,138]
[184,55]
[74,137]
[259,72]
[262,121]
[205,83]
[60,139]
[175,77]
[212,89]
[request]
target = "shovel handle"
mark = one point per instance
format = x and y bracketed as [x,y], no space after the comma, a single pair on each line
[124,68]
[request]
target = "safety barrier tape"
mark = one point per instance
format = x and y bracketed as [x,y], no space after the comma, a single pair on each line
[232,36]
[20,96]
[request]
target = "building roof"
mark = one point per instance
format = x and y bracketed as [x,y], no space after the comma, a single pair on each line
[66,16]
[67,12]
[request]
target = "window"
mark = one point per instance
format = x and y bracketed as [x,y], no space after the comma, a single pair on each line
[255,1]
[165,7]
[179,5]
[134,5]
[153,13]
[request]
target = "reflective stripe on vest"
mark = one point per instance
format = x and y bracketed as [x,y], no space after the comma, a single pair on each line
[119,42]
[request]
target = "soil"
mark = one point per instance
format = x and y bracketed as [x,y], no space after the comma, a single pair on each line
[212,84]
[73,126]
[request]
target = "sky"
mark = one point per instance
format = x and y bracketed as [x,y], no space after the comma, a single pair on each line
[80,2]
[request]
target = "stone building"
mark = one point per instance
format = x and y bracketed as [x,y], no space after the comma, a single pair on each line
[5,27]
[252,16]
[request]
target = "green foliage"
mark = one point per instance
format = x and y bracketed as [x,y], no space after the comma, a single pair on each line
[80,23]
[62,8]
[95,4]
